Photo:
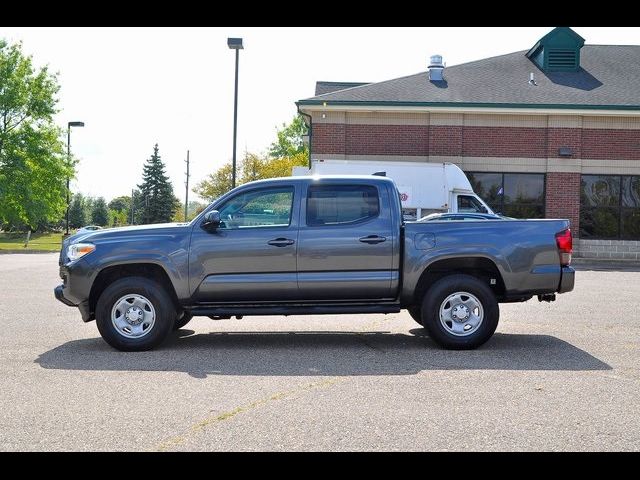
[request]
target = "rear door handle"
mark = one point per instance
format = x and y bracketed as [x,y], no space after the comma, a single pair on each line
[281,242]
[373,239]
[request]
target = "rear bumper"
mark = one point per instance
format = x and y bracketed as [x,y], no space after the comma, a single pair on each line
[82,306]
[567,280]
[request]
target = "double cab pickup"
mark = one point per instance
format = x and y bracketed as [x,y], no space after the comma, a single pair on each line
[312,245]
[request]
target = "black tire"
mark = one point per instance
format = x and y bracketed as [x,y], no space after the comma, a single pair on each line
[416,313]
[165,313]
[439,292]
[183,320]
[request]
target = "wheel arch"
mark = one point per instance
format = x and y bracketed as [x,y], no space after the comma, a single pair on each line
[480,267]
[109,274]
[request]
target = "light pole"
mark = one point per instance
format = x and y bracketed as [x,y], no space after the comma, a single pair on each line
[235,44]
[69,125]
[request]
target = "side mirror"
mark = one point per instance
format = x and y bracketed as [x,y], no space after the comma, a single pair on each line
[211,220]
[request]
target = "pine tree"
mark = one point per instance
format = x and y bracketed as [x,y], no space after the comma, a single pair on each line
[156,191]
[100,212]
[138,208]
[87,203]
[77,217]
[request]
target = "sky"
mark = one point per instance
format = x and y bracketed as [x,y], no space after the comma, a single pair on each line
[134,86]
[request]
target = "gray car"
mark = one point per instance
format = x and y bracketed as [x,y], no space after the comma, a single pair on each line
[463,217]
[88,229]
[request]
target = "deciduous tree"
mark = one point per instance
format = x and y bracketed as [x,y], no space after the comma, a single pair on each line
[100,212]
[33,164]
[121,204]
[285,153]
[215,184]
[289,142]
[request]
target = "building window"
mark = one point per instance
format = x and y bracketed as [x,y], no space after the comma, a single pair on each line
[610,207]
[518,195]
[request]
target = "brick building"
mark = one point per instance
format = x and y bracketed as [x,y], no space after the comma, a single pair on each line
[549,132]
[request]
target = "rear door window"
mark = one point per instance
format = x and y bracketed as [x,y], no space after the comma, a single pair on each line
[341,204]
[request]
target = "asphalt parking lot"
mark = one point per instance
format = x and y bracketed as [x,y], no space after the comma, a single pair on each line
[559,376]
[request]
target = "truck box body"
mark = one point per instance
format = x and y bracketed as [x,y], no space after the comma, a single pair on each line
[424,187]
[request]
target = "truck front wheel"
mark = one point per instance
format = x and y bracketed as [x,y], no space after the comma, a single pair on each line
[182,320]
[415,313]
[135,314]
[460,312]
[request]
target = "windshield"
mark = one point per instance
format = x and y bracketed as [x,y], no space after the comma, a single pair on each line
[471,204]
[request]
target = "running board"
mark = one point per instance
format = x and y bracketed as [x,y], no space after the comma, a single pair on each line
[242,310]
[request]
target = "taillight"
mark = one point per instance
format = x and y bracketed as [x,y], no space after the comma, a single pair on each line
[565,246]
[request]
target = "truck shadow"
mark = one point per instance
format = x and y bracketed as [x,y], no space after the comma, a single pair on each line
[321,353]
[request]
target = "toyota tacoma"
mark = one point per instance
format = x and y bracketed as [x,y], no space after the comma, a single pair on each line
[312,245]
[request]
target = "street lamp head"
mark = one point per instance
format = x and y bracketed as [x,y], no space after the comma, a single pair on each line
[235,43]
[76,124]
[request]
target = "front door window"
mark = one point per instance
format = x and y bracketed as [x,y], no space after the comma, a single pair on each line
[270,207]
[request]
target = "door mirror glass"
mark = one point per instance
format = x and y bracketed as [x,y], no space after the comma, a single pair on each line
[211,220]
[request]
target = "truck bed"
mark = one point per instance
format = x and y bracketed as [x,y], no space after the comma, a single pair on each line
[524,251]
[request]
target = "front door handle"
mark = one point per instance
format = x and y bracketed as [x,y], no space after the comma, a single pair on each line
[373,239]
[281,242]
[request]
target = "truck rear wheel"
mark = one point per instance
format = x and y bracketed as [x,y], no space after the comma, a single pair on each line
[460,312]
[135,314]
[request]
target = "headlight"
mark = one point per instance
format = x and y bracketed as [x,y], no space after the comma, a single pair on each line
[74,252]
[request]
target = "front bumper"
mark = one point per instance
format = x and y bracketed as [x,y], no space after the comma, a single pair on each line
[59,293]
[567,280]
[76,287]
[85,311]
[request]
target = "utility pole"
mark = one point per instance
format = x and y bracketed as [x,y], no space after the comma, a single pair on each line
[186,191]
[132,190]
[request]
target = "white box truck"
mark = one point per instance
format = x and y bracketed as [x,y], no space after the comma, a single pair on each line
[424,187]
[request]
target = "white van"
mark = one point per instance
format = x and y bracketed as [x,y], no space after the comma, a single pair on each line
[424,187]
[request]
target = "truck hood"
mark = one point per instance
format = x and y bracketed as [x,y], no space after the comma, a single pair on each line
[154,237]
[120,232]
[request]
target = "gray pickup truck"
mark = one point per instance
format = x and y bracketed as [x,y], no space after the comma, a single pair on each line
[312,245]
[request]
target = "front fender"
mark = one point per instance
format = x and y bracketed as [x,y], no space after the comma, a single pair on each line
[177,275]
[170,252]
